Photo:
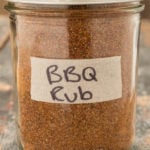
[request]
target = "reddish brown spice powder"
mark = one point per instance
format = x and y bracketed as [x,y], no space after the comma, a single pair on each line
[77,33]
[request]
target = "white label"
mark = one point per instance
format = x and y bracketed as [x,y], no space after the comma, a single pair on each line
[70,81]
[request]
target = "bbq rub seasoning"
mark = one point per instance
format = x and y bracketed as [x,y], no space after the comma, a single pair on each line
[75,67]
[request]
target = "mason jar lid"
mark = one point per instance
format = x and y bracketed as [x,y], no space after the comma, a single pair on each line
[71,2]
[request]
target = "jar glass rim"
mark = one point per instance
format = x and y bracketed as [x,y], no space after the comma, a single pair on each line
[71,2]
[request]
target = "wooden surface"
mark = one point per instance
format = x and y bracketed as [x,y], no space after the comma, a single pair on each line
[8,139]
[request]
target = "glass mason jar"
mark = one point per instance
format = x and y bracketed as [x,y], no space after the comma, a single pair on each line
[75,65]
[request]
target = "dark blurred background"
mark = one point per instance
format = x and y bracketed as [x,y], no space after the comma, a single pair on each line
[146,13]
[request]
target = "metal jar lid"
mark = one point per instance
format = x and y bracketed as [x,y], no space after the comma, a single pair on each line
[71,2]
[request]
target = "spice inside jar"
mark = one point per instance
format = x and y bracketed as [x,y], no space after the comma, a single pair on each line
[76,73]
